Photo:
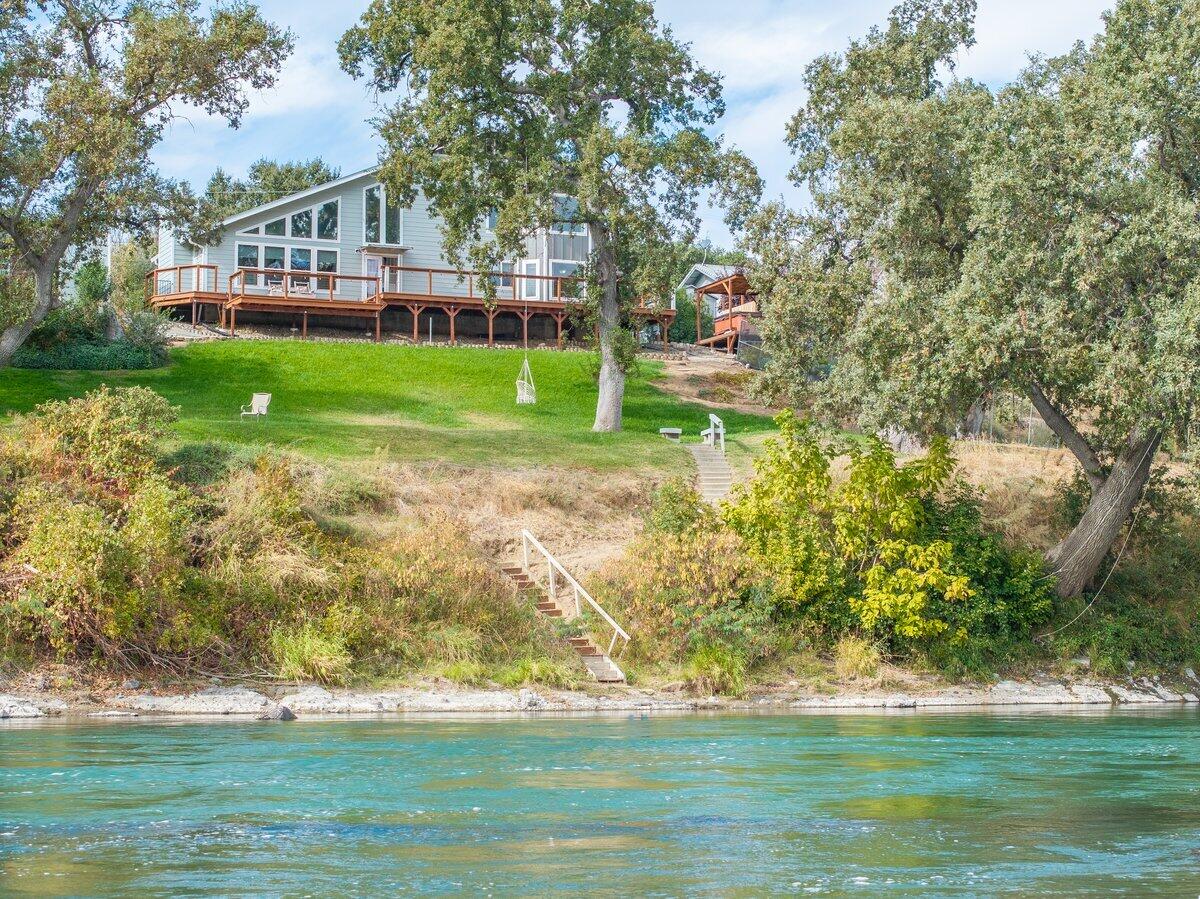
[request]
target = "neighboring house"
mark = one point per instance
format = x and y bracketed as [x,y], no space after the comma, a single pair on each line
[733,303]
[703,274]
[346,249]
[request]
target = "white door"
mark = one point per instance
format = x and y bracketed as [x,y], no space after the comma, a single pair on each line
[531,288]
[372,267]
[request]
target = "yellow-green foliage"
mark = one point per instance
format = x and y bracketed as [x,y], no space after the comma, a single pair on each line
[855,657]
[716,669]
[102,554]
[861,539]
[673,591]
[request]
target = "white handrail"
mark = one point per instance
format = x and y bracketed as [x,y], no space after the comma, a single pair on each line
[553,569]
[715,432]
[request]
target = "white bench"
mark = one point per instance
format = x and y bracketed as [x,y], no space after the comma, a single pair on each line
[258,406]
[715,435]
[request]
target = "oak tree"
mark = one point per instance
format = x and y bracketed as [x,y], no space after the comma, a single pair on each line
[87,89]
[544,111]
[1044,239]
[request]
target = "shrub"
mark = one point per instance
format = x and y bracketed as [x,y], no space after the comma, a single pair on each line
[856,658]
[198,464]
[716,668]
[529,671]
[310,652]
[90,355]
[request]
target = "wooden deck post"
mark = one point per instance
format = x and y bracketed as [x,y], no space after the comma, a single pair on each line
[558,321]
[378,326]
[416,314]
[193,313]
[304,325]
[525,327]
[491,317]
[452,313]
[233,321]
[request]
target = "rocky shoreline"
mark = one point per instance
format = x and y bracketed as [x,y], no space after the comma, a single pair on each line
[286,703]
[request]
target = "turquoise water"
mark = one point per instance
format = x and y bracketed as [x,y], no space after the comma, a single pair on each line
[1046,804]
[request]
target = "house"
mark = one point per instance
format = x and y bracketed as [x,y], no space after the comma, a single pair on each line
[345,251]
[731,300]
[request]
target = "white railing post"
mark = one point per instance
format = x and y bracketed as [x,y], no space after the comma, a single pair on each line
[525,550]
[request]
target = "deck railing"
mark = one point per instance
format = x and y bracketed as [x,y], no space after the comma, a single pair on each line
[530,548]
[441,283]
[289,284]
[192,278]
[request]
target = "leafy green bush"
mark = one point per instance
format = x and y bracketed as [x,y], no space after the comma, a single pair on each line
[716,668]
[90,355]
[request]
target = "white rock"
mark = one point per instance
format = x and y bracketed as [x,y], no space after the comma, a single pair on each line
[1133,697]
[530,700]
[1091,693]
[213,701]
[16,707]
[319,701]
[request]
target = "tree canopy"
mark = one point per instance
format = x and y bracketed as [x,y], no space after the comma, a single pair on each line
[86,91]
[547,111]
[265,180]
[1043,239]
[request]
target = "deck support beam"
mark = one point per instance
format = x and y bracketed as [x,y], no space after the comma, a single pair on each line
[452,314]
[304,325]
[415,310]
[378,325]
[558,321]
[491,317]
[233,321]
[525,315]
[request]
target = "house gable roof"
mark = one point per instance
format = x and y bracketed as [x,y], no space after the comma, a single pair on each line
[703,273]
[299,195]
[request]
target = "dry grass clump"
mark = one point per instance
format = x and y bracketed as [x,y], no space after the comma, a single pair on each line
[1020,486]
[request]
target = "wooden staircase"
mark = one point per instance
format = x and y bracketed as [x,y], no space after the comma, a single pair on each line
[564,602]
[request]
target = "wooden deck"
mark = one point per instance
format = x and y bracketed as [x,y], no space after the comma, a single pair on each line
[418,290]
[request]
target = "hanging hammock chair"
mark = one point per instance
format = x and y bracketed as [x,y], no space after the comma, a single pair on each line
[526,391]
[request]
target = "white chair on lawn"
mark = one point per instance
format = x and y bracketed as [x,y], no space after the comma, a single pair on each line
[715,435]
[258,406]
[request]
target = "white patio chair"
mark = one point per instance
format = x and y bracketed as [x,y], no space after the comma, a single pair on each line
[258,406]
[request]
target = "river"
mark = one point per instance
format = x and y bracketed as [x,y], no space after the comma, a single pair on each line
[1036,803]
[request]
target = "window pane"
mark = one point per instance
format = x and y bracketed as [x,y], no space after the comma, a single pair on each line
[393,223]
[530,286]
[302,224]
[327,261]
[253,230]
[276,228]
[247,257]
[492,219]
[273,257]
[327,221]
[301,260]
[505,279]
[563,269]
[566,211]
[373,215]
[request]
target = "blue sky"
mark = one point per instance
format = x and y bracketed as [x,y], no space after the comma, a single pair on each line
[760,46]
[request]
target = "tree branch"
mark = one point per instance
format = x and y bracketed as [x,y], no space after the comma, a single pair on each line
[1071,437]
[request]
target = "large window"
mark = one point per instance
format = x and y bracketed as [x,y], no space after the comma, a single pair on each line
[327,261]
[300,225]
[247,257]
[505,278]
[373,215]
[383,217]
[298,260]
[566,214]
[327,220]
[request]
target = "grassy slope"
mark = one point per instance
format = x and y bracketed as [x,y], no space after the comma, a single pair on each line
[407,403]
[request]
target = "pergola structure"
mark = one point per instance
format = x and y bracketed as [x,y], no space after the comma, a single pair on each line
[737,306]
[417,290]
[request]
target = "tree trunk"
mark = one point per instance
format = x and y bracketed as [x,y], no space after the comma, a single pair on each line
[13,337]
[1077,559]
[612,373]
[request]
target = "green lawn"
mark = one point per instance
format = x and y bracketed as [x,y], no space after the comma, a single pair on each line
[354,400]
